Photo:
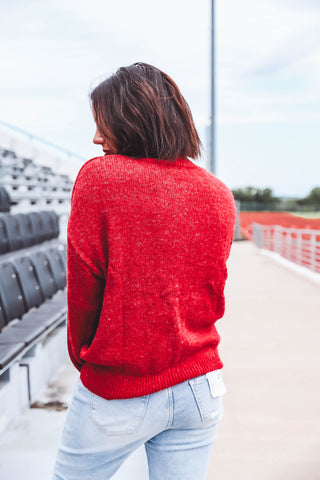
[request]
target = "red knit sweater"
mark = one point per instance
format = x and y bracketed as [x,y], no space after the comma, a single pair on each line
[148,241]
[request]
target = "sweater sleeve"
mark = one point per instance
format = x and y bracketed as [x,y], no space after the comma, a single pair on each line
[86,265]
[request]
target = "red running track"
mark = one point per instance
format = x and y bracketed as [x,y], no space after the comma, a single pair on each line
[283,219]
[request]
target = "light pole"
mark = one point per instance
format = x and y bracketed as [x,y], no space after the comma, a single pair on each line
[212,136]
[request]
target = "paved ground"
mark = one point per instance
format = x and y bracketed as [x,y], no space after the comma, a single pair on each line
[270,348]
[271,351]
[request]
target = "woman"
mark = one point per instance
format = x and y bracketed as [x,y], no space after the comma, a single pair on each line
[149,234]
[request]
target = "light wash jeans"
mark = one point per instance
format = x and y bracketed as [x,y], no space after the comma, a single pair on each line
[178,426]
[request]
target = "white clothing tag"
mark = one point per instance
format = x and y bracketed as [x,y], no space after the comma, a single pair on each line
[217,386]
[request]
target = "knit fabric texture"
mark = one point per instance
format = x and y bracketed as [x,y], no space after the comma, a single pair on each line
[147,245]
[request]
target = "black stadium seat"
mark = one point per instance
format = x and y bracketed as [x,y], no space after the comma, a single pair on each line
[4,200]
[44,273]
[4,240]
[11,293]
[23,230]
[29,281]
[54,223]
[47,225]
[38,227]
[57,267]
[26,312]
[32,267]
[2,317]
[26,229]
[13,231]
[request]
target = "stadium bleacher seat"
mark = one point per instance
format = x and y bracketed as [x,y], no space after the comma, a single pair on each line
[44,273]
[34,207]
[54,222]
[25,229]
[4,240]
[32,298]
[4,200]
[29,282]
[10,292]
[49,226]
[57,266]
[13,231]
[38,226]
[28,184]
[2,317]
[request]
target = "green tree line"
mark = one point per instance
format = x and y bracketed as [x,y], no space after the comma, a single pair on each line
[253,198]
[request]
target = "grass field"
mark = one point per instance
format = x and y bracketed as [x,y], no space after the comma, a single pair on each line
[306,214]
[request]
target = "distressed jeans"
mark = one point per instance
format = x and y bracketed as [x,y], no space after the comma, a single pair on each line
[177,425]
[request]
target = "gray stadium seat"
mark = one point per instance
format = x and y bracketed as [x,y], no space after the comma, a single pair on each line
[2,317]
[50,220]
[48,228]
[29,281]
[32,280]
[18,294]
[4,200]
[11,293]
[13,231]
[57,267]
[38,227]
[4,240]
[54,222]
[26,229]
[44,273]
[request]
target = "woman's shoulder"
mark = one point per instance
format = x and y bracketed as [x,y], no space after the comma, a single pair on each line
[96,169]
[213,181]
[90,167]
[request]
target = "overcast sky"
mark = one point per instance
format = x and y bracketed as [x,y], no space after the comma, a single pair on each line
[267,75]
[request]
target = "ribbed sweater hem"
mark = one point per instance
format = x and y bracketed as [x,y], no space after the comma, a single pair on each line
[115,385]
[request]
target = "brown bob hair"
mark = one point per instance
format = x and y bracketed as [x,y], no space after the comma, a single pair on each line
[142,113]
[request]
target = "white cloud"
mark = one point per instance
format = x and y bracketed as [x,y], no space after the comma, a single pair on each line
[268,65]
[295,47]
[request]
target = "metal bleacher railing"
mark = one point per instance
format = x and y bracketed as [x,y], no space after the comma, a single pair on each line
[301,246]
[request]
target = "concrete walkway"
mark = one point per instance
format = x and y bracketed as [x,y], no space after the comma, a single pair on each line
[270,348]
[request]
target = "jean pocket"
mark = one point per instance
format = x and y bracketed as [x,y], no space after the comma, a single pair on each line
[119,416]
[210,408]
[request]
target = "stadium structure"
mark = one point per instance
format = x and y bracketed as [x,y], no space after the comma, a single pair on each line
[34,208]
